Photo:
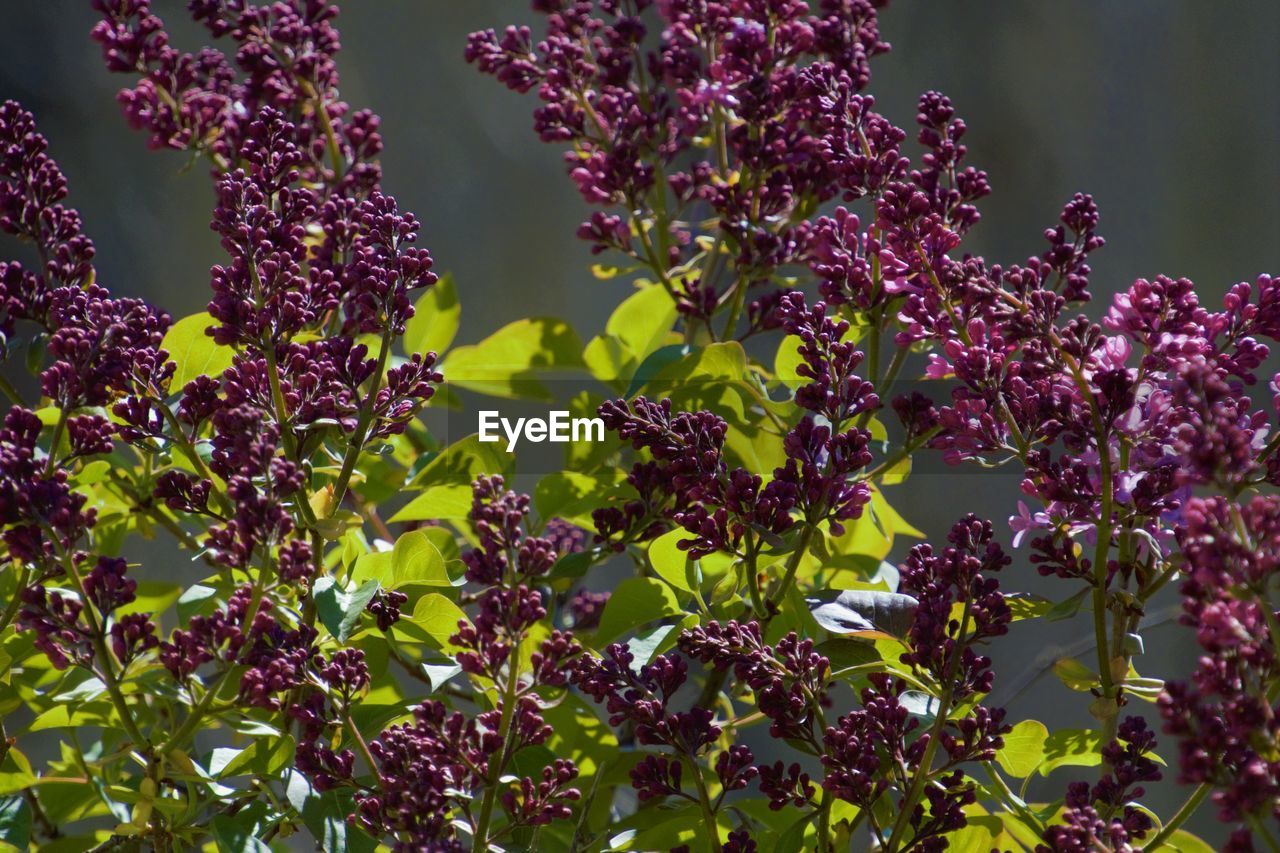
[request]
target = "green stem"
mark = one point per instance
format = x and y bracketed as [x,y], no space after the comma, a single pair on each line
[1188,808]
[824,822]
[1013,800]
[704,800]
[362,426]
[189,726]
[11,610]
[1260,828]
[789,575]
[480,840]
[189,450]
[9,391]
[96,629]
[753,577]
[925,770]
[360,742]
[58,430]
[277,398]
[197,714]
[902,453]
[735,308]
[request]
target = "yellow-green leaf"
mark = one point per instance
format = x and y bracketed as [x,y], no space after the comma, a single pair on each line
[193,351]
[1023,749]
[435,318]
[672,564]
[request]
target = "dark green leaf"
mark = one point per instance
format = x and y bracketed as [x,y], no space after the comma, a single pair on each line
[862,611]
[338,609]
[15,822]
[636,602]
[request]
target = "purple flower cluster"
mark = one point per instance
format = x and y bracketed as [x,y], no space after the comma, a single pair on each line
[688,481]
[100,349]
[745,114]
[1226,714]
[427,769]
[789,679]
[32,189]
[940,644]
[283,60]
[1102,816]
[317,256]
[640,697]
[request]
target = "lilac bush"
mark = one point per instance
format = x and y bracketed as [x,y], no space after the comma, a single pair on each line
[392,647]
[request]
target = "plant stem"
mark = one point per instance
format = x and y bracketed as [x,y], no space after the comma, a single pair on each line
[11,609]
[704,800]
[824,822]
[925,769]
[197,714]
[735,308]
[360,742]
[480,840]
[1188,808]
[1260,828]
[1013,799]
[789,576]
[61,427]
[362,426]
[9,391]
[189,450]
[96,629]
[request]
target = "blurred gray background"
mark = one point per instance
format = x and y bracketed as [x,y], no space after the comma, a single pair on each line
[1168,111]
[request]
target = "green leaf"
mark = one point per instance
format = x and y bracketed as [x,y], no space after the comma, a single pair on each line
[325,815]
[193,351]
[439,674]
[648,645]
[636,329]
[636,602]
[196,599]
[437,502]
[463,461]
[414,559]
[15,822]
[1068,607]
[338,609]
[1023,749]
[508,362]
[979,835]
[888,519]
[672,564]
[267,755]
[1071,748]
[863,612]
[152,597]
[787,360]
[236,836]
[1184,842]
[726,360]
[654,364]
[15,772]
[437,617]
[1026,605]
[435,318]
[1075,675]
[570,494]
